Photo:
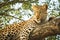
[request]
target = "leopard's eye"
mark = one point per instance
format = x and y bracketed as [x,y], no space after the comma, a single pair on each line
[40,11]
[38,18]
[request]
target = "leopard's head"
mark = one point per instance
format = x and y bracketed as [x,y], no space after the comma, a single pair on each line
[40,12]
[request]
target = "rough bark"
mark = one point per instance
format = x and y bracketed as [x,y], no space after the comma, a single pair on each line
[48,29]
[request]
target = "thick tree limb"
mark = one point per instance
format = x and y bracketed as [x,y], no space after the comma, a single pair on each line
[45,30]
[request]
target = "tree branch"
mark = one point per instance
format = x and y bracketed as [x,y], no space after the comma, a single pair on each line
[13,2]
[45,30]
[5,14]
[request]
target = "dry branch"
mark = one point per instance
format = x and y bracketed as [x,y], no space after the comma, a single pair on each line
[45,30]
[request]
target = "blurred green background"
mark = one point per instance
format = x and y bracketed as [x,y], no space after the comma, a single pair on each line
[14,11]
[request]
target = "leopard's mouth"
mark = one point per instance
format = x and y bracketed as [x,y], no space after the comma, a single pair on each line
[38,21]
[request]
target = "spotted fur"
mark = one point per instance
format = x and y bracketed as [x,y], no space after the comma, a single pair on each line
[21,31]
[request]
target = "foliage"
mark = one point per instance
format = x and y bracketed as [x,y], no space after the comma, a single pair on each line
[26,5]
[8,12]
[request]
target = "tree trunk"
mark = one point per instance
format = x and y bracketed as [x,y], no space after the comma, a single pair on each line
[48,29]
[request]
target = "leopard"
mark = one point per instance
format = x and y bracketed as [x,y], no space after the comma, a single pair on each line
[40,13]
[21,30]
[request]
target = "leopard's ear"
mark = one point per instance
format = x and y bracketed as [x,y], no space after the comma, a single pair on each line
[35,8]
[45,6]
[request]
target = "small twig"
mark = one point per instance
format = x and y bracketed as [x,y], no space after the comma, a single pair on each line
[2,14]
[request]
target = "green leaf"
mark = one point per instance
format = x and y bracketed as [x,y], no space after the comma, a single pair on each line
[26,5]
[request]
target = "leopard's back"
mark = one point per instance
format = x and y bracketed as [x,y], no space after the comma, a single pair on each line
[11,31]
